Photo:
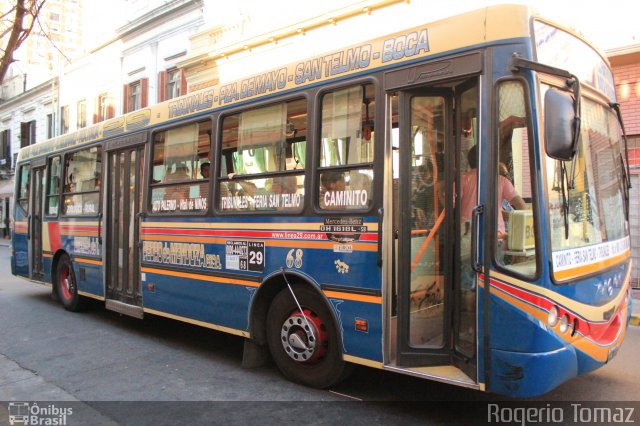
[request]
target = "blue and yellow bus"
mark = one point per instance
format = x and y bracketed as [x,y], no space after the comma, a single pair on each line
[448,202]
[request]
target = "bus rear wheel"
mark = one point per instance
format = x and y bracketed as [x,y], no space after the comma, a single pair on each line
[305,345]
[66,286]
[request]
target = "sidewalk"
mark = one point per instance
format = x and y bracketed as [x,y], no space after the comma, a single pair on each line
[635,307]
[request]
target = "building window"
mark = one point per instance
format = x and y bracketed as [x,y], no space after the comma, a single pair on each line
[27,133]
[135,95]
[174,79]
[104,108]
[51,127]
[5,149]
[82,114]
[64,119]
[171,84]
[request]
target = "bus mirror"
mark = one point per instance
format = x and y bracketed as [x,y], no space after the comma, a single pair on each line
[559,125]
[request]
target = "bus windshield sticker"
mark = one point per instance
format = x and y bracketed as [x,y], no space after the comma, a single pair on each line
[245,256]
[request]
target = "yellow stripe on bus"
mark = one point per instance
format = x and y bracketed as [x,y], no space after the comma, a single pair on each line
[89,261]
[353,296]
[91,295]
[198,322]
[201,277]
[588,312]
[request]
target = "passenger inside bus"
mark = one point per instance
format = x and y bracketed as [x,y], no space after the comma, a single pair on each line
[423,196]
[205,170]
[469,195]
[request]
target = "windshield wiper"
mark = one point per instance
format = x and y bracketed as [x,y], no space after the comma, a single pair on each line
[626,172]
[565,186]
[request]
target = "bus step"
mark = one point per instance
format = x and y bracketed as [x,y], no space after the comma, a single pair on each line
[125,309]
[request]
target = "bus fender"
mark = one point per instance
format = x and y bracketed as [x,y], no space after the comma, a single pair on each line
[260,303]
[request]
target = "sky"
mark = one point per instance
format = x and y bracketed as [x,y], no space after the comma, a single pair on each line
[608,24]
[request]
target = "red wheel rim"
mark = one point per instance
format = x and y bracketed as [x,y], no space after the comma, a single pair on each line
[304,337]
[65,283]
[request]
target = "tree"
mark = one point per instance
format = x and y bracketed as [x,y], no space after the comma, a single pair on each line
[15,26]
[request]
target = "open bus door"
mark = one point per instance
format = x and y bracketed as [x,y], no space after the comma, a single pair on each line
[124,207]
[435,314]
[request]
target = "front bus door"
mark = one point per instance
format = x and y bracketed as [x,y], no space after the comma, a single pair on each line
[436,309]
[125,168]
[37,183]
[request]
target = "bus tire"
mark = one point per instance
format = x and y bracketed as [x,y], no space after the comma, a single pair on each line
[66,285]
[306,352]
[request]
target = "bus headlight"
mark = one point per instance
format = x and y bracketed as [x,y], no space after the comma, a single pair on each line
[564,324]
[553,316]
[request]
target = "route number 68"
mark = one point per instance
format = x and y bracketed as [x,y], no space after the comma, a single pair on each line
[297,262]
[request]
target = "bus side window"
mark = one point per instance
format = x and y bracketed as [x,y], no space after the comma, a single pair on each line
[516,249]
[23,195]
[82,180]
[346,150]
[181,166]
[263,158]
[53,189]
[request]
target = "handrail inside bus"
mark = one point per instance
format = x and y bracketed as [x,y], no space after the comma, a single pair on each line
[427,241]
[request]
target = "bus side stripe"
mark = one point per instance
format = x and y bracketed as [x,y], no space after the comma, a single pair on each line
[201,277]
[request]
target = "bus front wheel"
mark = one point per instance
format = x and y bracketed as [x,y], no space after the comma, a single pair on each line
[66,285]
[304,345]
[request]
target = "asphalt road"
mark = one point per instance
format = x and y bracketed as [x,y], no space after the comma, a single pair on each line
[172,371]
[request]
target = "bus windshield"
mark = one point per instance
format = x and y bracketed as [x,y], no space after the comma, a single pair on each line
[579,218]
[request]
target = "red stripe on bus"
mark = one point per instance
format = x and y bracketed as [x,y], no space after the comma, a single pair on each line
[318,236]
[54,236]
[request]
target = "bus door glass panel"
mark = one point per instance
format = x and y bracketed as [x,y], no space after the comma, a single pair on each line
[427,213]
[22,222]
[466,191]
[36,222]
[422,169]
[125,205]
